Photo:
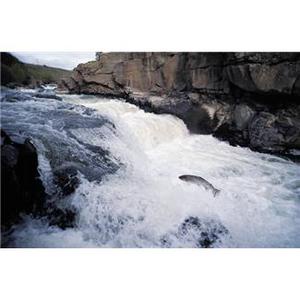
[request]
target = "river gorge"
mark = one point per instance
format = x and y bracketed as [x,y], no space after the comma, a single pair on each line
[110,172]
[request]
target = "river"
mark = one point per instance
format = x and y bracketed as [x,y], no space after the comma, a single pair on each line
[129,193]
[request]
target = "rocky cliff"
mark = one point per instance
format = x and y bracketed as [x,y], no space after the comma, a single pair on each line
[249,99]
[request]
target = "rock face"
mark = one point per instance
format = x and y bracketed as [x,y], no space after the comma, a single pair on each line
[22,190]
[250,99]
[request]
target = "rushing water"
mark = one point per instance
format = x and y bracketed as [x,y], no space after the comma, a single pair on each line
[139,201]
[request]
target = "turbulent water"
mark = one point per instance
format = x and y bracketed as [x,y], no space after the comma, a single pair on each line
[129,193]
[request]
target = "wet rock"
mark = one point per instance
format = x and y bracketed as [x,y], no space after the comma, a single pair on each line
[66,179]
[22,190]
[242,115]
[48,96]
[227,132]
[206,233]
[263,133]
[197,233]
[268,132]
[63,218]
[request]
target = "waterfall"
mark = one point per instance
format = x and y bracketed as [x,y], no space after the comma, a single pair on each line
[133,197]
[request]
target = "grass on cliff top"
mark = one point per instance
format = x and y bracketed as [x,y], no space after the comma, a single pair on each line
[47,73]
[15,72]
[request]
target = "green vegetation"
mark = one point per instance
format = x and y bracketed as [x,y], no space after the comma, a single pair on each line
[14,72]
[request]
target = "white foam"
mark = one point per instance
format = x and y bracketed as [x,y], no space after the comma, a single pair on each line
[145,200]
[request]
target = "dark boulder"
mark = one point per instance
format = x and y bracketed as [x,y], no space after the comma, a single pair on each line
[63,218]
[66,180]
[22,190]
[206,233]
[197,232]
[273,133]
[242,115]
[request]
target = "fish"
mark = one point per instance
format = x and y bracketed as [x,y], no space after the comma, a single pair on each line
[201,182]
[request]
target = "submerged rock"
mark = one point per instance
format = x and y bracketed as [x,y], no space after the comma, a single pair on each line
[206,233]
[48,96]
[195,232]
[66,179]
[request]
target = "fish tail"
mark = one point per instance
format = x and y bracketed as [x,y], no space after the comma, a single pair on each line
[216,192]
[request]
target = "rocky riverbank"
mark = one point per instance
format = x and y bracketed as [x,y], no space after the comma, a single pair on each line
[248,99]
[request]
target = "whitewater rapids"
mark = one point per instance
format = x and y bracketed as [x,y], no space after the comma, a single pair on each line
[143,203]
